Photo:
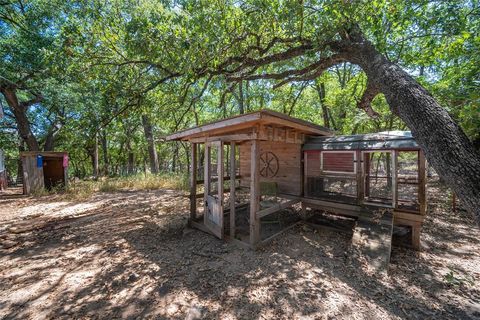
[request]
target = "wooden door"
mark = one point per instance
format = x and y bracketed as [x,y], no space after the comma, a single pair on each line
[213,217]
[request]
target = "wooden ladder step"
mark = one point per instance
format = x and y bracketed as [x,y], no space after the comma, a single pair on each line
[372,239]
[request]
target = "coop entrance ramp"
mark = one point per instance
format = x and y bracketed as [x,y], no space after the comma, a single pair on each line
[372,240]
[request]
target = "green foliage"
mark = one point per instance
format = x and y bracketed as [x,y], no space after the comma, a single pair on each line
[101,65]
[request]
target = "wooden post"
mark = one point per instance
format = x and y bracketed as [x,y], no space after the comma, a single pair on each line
[220,175]
[232,190]
[416,236]
[395,178]
[304,175]
[254,194]
[360,181]
[193,181]
[366,173]
[422,180]
[206,175]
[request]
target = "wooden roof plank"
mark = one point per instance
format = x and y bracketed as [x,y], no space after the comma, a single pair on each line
[263,116]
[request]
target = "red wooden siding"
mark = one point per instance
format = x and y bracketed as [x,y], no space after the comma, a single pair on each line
[338,161]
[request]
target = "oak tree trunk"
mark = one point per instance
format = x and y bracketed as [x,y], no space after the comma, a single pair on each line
[446,146]
[20,114]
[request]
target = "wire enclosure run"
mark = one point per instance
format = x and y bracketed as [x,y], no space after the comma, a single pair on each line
[331,174]
[388,178]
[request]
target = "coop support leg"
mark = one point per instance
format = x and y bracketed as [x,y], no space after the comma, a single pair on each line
[254,194]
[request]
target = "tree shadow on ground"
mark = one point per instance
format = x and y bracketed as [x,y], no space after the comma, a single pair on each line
[133,259]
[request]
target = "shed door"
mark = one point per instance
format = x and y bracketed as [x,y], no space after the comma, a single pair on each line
[213,217]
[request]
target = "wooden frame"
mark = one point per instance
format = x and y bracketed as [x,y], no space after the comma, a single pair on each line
[365,163]
[269,131]
[254,193]
[355,169]
[214,206]
[232,189]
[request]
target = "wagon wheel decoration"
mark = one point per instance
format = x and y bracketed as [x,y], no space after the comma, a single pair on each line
[268,164]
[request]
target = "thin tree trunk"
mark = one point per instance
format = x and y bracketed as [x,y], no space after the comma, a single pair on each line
[130,159]
[50,139]
[105,152]
[95,157]
[321,95]
[152,150]
[21,148]
[241,107]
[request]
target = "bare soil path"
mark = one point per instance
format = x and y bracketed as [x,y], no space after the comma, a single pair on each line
[128,255]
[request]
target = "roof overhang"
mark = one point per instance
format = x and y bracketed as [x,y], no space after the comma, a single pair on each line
[372,141]
[250,120]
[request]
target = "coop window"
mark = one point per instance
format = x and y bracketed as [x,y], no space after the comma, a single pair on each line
[338,162]
[407,180]
[331,175]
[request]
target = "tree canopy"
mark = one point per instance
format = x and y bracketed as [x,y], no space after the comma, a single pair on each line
[118,75]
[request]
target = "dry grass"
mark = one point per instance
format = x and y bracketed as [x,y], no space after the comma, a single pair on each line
[85,188]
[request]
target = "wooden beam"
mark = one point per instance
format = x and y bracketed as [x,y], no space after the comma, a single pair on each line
[422,180]
[304,175]
[276,207]
[193,181]
[232,189]
[225,190]
[416,237]
[395,177]
[226,138]
[220,174]
[201,181]
[206,175]
[330,204]
[360,178]
[254,193]
[307,127]
[218,125]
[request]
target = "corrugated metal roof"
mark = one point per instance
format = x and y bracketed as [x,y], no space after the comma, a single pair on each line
[371,141]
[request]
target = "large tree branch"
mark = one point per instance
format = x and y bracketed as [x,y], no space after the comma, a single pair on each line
[245,62]
[310,72]
[36,99]
[321,66]
[365,103]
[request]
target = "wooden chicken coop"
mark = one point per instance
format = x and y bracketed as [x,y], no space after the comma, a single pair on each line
[256,175]
[44,170]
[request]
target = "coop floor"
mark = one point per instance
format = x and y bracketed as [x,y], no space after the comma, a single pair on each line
[128,255]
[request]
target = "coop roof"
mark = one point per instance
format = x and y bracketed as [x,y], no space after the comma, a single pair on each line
[371,141]
[265,117]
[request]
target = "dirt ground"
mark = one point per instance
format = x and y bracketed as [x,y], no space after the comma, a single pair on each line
[128,255]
